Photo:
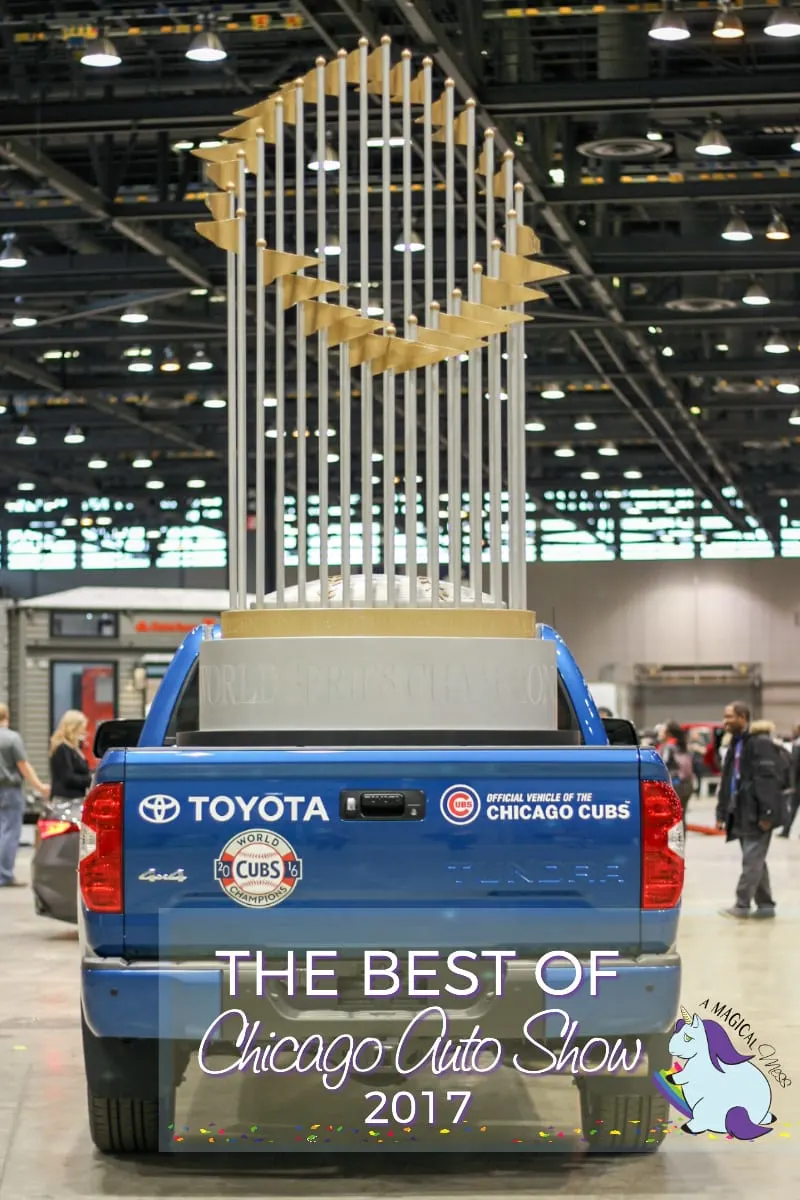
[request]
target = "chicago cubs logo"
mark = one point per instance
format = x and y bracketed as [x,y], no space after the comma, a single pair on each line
[460,804]
[258,868]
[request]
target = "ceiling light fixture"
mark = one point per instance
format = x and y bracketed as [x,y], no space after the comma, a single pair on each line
[195,483]
[100,52]
[206,47]
[375,143]
[134,315]
[142,462]
[331,249]
[737,229]
[669,26]
[215,402]
[795,143]
[565,451]
[728,26]
[24,320]
[535,425]
[667,352]
[794,419]
[12,257]
[74,436]
[776,343]
[329,162]
[413,246]
[608,450]
[632,473]
[590,474]
[584,424]
[199,291]
[756,295]
[155,485]
[200,361]
[713,143]
[26,437]
[26,486]
[778,230]
[97,463]
[786,388]
[723,347]
[140,366]
[785,23]
[169,362]
[270,402]
[654,134]
[182,144]
[552,392]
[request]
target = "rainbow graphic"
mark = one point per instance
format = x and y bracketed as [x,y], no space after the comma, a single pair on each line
[673,1092]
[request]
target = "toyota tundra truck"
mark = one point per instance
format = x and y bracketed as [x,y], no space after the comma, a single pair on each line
[570,842]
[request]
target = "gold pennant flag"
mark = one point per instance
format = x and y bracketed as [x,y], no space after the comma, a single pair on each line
[396,83]
[278,263]
[527,241]
[465,327]
[482,166]
[332,78]
[321,316]
[404,356]
[500,185]
[289,94]
[375,72]
[218,204]
[460,137]
[224,174]
[417,91]
[297,288]
[354,66]
[453,342]
[264,119]
[438,112]
[223,155]
[224,234]
[497,293]
[352,327]
[310,86]
[365,349]
[516,269]
[499,318]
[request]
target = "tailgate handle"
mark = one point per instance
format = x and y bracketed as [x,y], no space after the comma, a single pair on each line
[383,805]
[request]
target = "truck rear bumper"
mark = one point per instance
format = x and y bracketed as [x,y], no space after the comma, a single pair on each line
[179,1001]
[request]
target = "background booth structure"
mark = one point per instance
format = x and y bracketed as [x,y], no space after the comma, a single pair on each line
[103,650]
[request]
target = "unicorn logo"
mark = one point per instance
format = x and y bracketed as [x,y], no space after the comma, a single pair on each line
[718,1089]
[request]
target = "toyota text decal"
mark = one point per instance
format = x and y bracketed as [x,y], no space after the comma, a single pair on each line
[460,804]
[158,810]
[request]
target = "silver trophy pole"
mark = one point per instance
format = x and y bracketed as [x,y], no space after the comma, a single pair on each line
[516,438]
[410,377]
[453,365]
[511,389]
[431,373]
[345,437]
[433,422]
[302,415]
[280,367]
[495,421]
[475,427]
[261,489]
[233,428]
[366,372]
[389,449]
[241,380]
[322,344]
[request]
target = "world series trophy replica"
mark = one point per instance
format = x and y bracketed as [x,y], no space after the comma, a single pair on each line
[387,647]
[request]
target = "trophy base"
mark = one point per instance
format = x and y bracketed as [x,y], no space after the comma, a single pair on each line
[378,622]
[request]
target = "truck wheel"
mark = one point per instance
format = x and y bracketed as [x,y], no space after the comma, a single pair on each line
[622,1116]
[131,1099]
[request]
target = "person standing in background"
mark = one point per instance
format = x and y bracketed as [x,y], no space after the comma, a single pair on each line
[14,767]
[749,807]
[678,761]
[794,795]
[70,775]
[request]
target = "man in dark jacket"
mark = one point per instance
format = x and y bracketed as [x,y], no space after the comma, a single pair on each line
[749,806]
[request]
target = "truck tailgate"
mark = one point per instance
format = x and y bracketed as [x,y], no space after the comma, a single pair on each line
[518,848]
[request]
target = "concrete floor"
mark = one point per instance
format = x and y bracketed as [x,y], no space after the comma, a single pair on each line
[44,1143]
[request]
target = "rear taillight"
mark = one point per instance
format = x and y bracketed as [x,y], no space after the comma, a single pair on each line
[49,828]
[662,845]
[100,868]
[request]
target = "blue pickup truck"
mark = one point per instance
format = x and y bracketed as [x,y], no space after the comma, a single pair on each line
[573,843]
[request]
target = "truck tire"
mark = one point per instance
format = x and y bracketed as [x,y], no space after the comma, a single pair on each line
[131,1103]
[622,1116]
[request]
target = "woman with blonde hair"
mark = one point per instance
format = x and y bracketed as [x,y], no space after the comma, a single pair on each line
[70,775]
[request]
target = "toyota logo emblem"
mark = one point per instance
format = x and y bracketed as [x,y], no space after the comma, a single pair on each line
[159,810]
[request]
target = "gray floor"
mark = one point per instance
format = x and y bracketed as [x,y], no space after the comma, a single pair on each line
[45,1149]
